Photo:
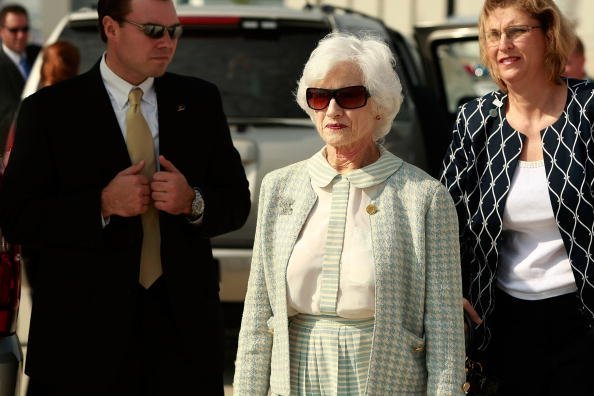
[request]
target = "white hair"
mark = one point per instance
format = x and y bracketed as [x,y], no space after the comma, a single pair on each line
[375,60]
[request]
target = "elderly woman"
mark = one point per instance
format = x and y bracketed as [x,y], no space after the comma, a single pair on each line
[355,284]
[520,169]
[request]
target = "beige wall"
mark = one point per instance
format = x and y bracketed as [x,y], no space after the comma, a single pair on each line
[52,11]
[403,14]
[399,14]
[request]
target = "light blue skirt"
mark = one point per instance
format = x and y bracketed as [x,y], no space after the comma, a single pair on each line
[329,355]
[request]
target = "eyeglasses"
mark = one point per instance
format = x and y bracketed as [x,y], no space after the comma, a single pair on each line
[155,31]
[511,33]
[15,30]
[347,98]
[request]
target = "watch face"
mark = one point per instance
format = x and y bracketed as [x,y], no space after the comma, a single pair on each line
[197,204]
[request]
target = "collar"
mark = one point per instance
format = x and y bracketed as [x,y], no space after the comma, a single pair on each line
[119,88]
[14,56]
[322,174]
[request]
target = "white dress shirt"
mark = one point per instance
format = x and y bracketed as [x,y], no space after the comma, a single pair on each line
[118,90]
[534,263]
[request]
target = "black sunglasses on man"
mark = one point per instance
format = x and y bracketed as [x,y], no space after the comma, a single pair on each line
[156,31]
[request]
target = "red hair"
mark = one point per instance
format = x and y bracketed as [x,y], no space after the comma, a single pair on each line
[61,61]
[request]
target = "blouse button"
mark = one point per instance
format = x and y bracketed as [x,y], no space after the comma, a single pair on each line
[371,209]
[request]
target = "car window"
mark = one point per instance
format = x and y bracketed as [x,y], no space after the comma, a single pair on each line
[464,77]
[86,37]
[256,69]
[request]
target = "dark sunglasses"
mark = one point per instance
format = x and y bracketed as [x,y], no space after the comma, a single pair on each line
[347,97]
[24,29]
[155,31]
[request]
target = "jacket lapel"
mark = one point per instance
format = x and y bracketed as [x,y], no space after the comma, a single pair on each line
[293,212]
[298,206]
[504,146]
[104,128]
[170,107]
[16,80]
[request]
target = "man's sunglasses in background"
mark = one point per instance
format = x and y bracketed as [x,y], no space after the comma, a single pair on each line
[155,31]
[15,30]
[347,97]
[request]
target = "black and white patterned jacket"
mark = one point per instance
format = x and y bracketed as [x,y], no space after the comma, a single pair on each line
[478,169]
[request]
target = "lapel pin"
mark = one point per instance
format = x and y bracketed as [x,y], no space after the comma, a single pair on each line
[181,107]
[285,206]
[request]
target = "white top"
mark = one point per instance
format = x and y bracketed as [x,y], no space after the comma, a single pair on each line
[356,286]
[356,289]
[534,264]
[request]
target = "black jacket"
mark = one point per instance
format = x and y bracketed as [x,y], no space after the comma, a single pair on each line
[68,147]
[478,169]
[11,88]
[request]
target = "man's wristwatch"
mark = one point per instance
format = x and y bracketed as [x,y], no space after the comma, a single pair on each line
[197,205]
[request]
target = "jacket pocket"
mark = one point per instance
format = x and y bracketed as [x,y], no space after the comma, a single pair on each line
[414,364]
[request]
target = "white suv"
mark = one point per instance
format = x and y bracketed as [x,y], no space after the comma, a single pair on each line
[255,55]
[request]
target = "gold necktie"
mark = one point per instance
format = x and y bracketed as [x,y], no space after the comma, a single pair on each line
[141,147]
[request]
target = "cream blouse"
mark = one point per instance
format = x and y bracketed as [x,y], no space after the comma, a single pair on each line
[356,289]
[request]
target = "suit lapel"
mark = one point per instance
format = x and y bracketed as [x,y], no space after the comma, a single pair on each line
[15,78]
[104,128]
[168,109]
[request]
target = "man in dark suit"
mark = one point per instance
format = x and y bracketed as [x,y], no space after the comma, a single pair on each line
[72,190]
[16,59]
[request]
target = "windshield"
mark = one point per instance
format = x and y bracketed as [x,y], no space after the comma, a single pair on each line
[464,76]
[255,70]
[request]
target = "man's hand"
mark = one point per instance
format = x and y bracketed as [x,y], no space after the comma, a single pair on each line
[170,189]
[127,194]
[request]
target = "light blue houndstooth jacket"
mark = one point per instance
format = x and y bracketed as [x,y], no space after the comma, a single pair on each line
[418,340]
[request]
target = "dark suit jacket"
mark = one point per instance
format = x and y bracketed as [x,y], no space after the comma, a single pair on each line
[478,170]
[68,147]
[11,87]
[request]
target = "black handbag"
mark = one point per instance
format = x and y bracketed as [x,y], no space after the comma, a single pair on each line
[478,383]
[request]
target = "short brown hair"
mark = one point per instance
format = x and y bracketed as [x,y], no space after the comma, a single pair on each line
[61,60]
[12,9]
[557,29]
[116,9]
